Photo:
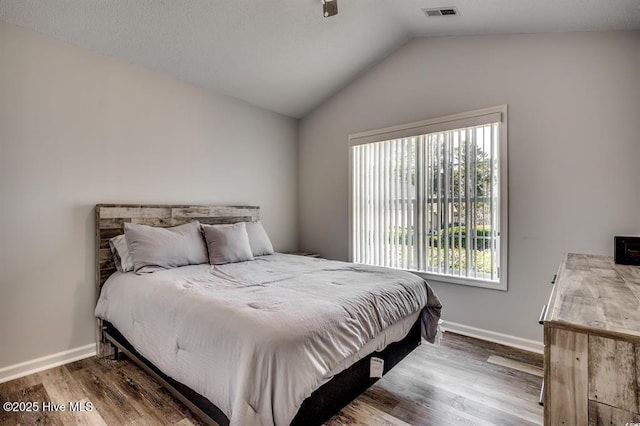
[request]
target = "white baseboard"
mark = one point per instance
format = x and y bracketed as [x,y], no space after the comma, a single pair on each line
[46,362]
[492,336]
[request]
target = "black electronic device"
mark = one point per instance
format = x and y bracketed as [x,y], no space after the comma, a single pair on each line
[627,250]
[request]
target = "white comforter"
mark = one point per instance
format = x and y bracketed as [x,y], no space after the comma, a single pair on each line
[256,338]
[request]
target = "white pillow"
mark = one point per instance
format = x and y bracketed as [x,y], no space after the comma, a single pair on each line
[227,243]
[258,239]
[120,251]
[154,248]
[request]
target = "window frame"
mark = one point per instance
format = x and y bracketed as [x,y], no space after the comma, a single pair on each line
[438,124]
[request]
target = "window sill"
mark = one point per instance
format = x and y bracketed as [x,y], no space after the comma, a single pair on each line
[452,279]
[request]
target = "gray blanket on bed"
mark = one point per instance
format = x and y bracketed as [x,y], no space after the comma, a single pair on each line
[256,338]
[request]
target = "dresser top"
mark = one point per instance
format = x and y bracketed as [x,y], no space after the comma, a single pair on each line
[592,293]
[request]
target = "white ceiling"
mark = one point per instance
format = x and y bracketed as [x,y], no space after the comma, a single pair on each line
[283,55]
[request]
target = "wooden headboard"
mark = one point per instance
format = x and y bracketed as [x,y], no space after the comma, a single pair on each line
[110,219]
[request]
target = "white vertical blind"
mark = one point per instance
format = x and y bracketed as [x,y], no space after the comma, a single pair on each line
[430,202]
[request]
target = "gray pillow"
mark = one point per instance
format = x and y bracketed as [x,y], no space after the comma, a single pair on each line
[120,251]
[258,239]
[154,248]
[227,243]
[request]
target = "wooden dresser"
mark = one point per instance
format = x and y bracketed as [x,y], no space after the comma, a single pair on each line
[592,343]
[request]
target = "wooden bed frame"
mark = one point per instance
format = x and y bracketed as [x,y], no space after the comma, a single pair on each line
[316,409]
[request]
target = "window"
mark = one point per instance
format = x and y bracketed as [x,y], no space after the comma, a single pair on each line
[431,197]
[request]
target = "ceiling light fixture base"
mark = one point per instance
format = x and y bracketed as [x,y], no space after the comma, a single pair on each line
[329,7]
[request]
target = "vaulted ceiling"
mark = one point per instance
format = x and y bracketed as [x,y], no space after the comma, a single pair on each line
[283,55]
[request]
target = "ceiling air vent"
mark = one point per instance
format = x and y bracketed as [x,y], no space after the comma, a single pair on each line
[441,11]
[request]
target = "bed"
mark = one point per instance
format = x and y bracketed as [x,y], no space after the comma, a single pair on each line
[281,339]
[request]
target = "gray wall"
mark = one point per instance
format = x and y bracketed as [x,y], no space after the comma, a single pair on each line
[574,151]
[78,129]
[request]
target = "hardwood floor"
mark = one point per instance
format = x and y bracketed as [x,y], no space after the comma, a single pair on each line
[463,382]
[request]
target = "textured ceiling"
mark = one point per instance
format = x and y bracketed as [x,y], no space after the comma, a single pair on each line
[283,55]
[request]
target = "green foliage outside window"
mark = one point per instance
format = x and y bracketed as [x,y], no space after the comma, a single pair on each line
[458,238]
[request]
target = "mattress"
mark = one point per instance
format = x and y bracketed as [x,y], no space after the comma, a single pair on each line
[257,338]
